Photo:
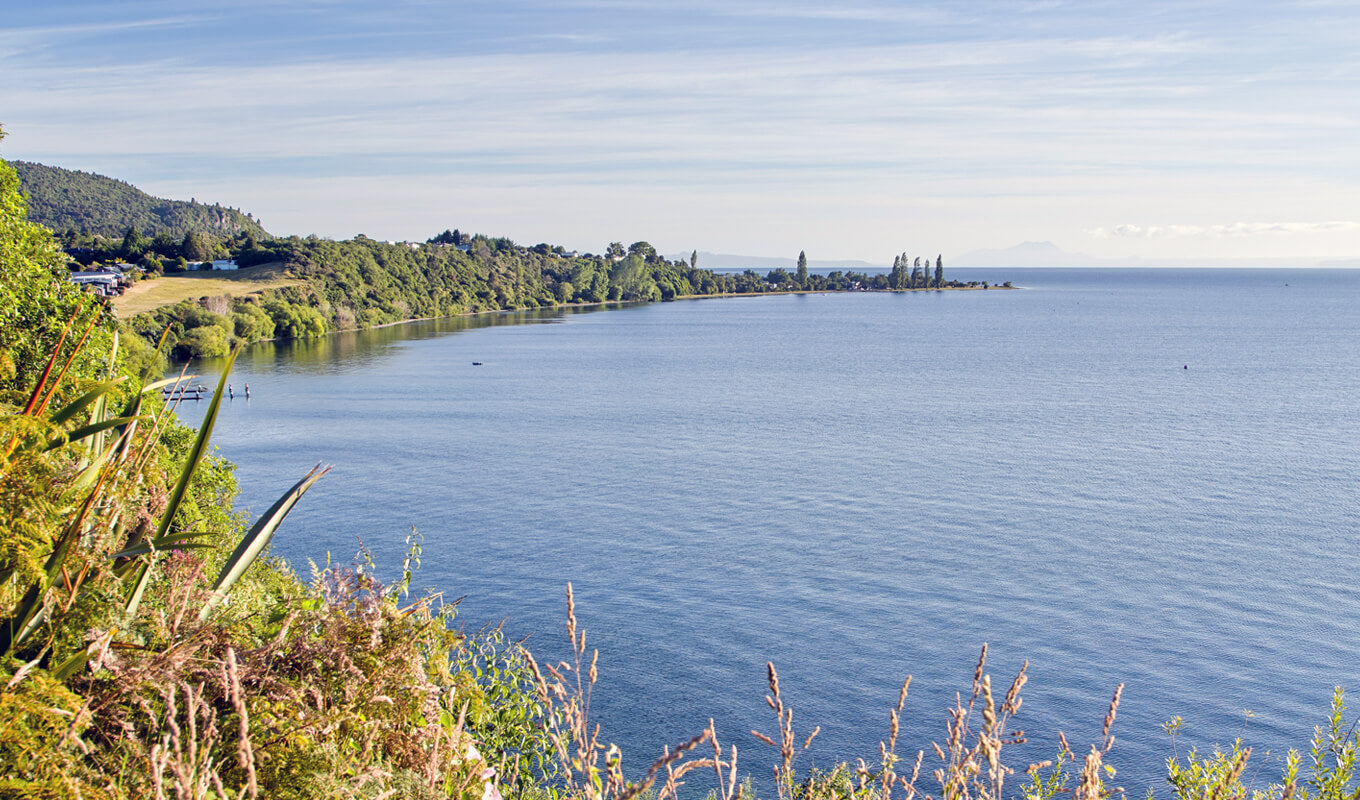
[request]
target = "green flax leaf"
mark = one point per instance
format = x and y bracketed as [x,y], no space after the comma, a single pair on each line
[255,540]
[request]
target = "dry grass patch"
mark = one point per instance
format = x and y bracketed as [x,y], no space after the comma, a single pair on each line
[170,289]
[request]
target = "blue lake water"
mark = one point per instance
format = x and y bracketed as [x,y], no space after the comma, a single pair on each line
[1140,477]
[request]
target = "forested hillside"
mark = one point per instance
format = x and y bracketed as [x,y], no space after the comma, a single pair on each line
[362,282]
[64,200]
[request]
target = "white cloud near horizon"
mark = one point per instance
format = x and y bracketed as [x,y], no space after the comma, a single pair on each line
[1230,229]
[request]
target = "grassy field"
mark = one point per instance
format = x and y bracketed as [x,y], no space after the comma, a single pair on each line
[170,289]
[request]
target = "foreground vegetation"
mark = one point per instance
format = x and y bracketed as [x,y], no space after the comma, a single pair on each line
[149,647]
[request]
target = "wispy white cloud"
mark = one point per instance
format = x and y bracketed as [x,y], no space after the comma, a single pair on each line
[67,31]
[20,41]
[769,10]
[1001,116]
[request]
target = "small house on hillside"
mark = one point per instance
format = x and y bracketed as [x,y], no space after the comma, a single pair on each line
[213,266]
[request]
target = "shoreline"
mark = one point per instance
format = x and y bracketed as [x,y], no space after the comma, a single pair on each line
[602,303]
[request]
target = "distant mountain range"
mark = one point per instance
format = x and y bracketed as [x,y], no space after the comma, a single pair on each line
[63,199]
[1026,254]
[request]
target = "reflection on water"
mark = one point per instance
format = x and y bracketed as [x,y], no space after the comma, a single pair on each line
[346,351]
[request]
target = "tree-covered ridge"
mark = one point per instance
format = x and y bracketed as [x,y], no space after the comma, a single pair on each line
[95,205]
[361,282]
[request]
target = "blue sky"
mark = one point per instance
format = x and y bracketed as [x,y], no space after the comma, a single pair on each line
[850,130]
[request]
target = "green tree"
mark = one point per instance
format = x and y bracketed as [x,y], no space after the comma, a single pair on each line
[36,299]
[633,279]
[642,249]
[694,259]
[801,277]
[600,288]
[134,244]
[939,271]
[615,250]
[250,323]
[193,248]
[164,244]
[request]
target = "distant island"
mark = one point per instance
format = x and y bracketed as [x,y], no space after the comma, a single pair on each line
[287,287]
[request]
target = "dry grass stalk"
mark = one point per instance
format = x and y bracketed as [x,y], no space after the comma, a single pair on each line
[566,690]
[182,760]
[971,755]
[973,764]
[783,772]
[245,752]
[1092,786]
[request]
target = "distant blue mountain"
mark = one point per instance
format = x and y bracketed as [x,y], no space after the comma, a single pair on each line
[1026,254]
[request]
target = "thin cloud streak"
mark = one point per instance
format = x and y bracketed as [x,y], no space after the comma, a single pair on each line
[1231,229]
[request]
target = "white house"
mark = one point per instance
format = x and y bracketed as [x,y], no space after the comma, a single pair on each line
[103,283]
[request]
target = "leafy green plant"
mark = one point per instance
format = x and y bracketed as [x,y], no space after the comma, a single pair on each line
[505,712]
[1212,777]
[1222,774]
[1332,756]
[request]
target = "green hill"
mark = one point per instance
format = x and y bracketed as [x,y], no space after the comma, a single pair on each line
[63,199]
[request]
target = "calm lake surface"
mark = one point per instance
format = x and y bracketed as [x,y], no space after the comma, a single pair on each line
[1146,477]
